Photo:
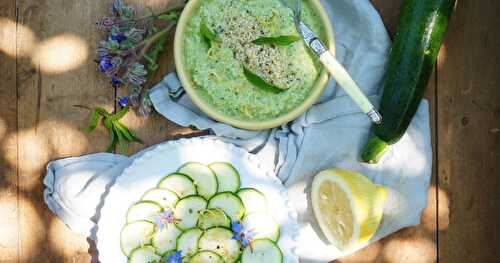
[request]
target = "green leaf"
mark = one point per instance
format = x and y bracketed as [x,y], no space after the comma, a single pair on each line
[208,35]
[94,120]
[284,40]
[259,82]
[113,140]
[154,53]
[103,112]
[121,139]
[127,133]
[172,16]
[119,115]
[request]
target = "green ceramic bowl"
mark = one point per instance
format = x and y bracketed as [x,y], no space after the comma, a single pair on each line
[248,124]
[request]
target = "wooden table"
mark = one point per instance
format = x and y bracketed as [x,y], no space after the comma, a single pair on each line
[46,69]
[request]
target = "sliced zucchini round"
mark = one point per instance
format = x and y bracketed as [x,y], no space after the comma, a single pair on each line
[165,198]
[144,210]
[135,235]
[227,177]
[187,243]
[144,254]
[253,199]
[165,239]
[203,178]
[220,240]
[230,203]
[213,217]
[206,257]
[263,225]
[187,210]
[178,183]
[262,250]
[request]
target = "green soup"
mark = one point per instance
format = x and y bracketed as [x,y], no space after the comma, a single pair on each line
[217,68]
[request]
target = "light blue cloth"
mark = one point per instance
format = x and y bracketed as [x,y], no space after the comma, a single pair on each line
[331,133]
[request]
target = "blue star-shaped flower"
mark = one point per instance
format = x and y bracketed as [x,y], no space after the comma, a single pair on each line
[164,218]
[174,258]
[123,101]
[118,37]
[241,234]
[105,64]
[116,82]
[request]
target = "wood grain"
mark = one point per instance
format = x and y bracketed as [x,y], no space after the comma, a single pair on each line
[9,214]
[58,73]
[469,135]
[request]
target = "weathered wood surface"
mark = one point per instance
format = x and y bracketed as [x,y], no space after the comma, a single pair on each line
[46,73]
[468,127]
[9,227]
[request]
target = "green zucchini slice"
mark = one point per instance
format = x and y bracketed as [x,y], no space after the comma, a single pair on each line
[206,257]
[262,250]
[230,203]
[220,241]
[165,239]
[213,217]
[178,183]
[187,211]
[253,199]
[165,198]
[203,178]
[263,225]
[135,235]
[227,177]
[144,210]
[187,243]
[146,254]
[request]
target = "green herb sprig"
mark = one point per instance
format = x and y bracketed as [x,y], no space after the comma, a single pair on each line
[207,34]
[284,40]
[119,134]
[260,83]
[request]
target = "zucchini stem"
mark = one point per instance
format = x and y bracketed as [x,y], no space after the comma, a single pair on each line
[374,150]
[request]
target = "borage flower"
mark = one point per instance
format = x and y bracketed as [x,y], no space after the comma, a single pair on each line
[176,257]
[165,218]
[118,37]
[123,102]
[132,42]
[116,82]
[105,64]
[245,236]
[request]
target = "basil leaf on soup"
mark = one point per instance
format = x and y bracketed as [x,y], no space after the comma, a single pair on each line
[284,40]
[207,34]
[259,82]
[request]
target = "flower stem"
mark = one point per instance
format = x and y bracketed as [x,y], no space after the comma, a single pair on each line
[149,42]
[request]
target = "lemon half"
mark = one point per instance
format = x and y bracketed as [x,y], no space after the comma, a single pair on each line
[348,207]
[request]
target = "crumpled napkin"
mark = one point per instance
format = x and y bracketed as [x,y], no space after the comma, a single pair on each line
[331,133]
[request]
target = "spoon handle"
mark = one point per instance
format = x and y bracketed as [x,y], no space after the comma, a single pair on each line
[343,78]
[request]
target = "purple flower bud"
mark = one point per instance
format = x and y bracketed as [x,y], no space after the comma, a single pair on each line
[116,7]
[105,23]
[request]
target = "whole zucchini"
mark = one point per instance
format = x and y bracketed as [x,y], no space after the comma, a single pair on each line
[418,39]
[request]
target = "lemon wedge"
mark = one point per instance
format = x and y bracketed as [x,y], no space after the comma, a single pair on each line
[348,207]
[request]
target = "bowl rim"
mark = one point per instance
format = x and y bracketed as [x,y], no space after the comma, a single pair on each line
[255,125]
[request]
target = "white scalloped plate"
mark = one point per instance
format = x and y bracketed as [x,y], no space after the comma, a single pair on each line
[146,171]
